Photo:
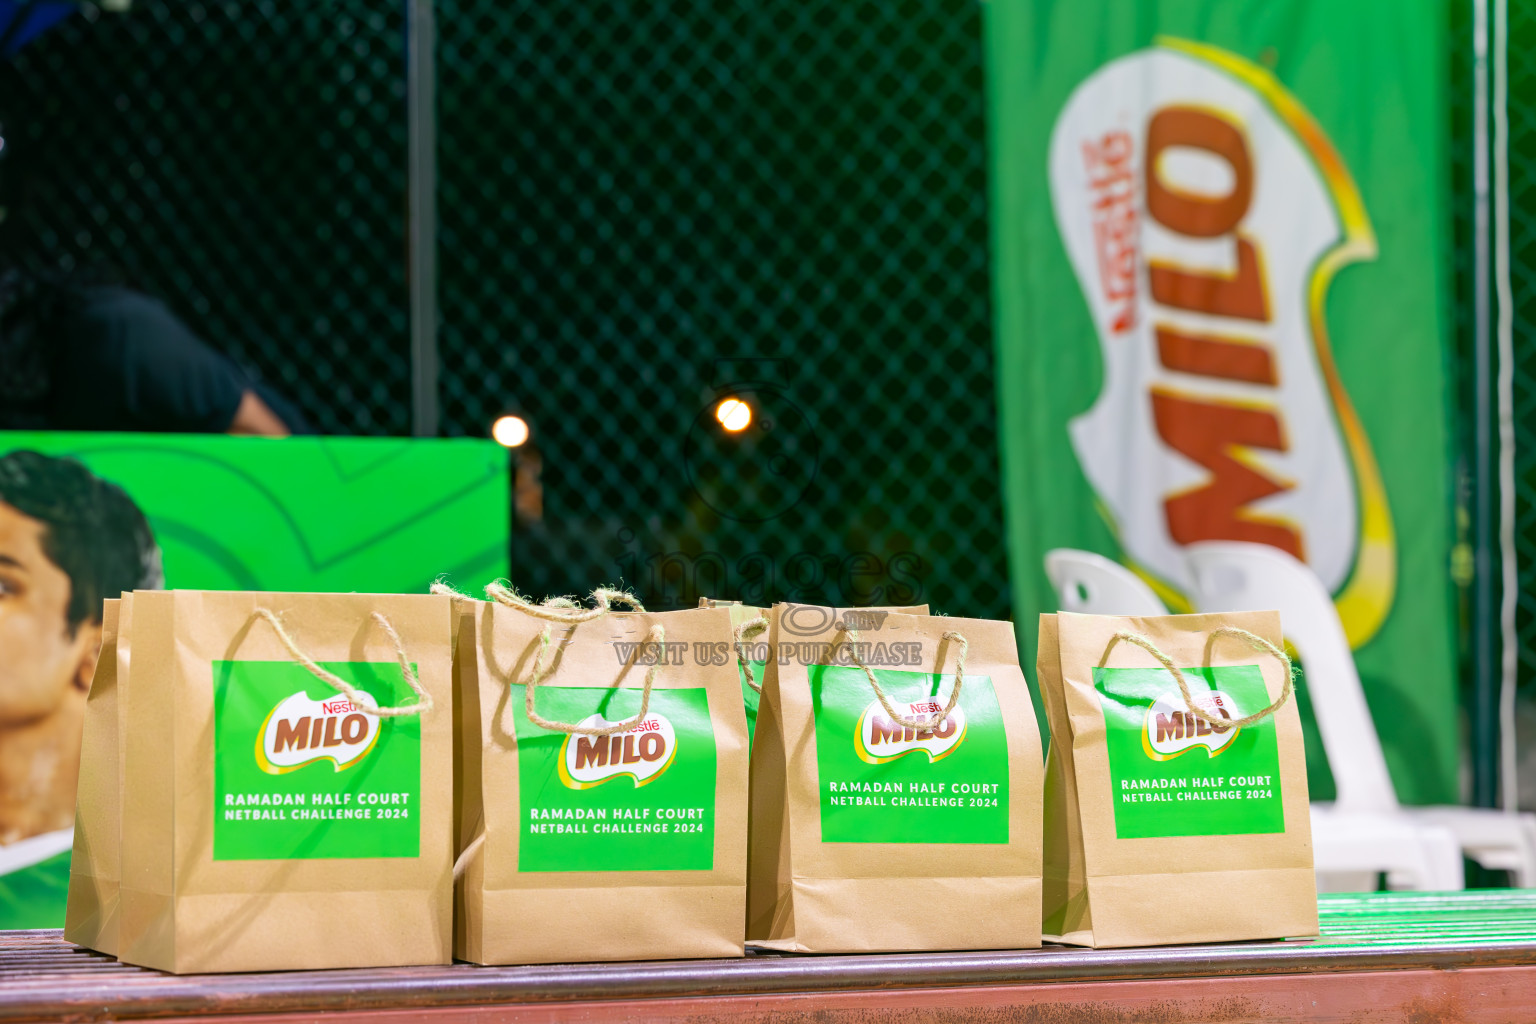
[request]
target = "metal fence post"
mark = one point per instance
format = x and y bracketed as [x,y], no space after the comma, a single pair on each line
[422,117]
[1485,731]
[1509,578]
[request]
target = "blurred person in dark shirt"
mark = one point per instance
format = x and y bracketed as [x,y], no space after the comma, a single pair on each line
[81,353]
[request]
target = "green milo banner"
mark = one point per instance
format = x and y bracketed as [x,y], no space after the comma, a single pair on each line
[1219,250]
[638,800]
[884,782]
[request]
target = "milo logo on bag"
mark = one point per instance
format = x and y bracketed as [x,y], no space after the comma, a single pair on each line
[641,753]
[884,781]
[302,730]
[880,739]
[1172,730]
[638,800]
[301,771]
[1171,772]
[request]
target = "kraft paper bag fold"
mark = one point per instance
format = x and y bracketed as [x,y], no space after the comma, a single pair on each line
[626,839]
[90,916]
[1163,825]
[899,813]
[287,782]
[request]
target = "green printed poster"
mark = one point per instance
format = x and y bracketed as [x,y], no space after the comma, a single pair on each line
[882,781]
[1219,289]
[638,800]
[366,514]
[317,514]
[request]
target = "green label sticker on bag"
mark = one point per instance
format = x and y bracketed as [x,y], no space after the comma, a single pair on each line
[1172,774]
[301,772]
[881,782]
[641,800]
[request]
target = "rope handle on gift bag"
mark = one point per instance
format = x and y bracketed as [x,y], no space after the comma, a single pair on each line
[657,635]
[852,638]
[1253,640]
[552,608]
[359,697]
[740,635]
[563,609]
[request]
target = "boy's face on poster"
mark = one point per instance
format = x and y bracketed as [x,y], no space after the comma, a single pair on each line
[40,659]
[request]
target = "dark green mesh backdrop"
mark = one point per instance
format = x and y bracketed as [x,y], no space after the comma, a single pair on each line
[243,160]
[643,206]
[1522,166]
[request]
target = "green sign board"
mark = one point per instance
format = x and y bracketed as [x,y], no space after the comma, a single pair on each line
[380,515]
[383,515]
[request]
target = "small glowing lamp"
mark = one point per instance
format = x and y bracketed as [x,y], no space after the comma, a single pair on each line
[510,431]
[734,414]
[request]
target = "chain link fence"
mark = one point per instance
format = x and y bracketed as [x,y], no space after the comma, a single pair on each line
[1522,273]
[644,208]
[243,160]
[1522,269]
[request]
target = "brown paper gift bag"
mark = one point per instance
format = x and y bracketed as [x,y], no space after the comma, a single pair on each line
[896,786]
[90,916]
[603,785]
[287,781]
[1163,824]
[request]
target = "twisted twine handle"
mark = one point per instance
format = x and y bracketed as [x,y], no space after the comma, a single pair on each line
[562,609]
[356,696]
[1253,640]
[921,725]
[466,855]
[740,636]
[657,635]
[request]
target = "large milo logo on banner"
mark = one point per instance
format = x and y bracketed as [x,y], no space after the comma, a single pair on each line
[1205,214]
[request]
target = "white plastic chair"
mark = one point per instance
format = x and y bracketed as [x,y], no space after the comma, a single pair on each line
[1095,585]
[1349,849]
[1231,576]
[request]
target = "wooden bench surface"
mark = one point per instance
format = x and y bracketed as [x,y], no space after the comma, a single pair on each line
[1384,956]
